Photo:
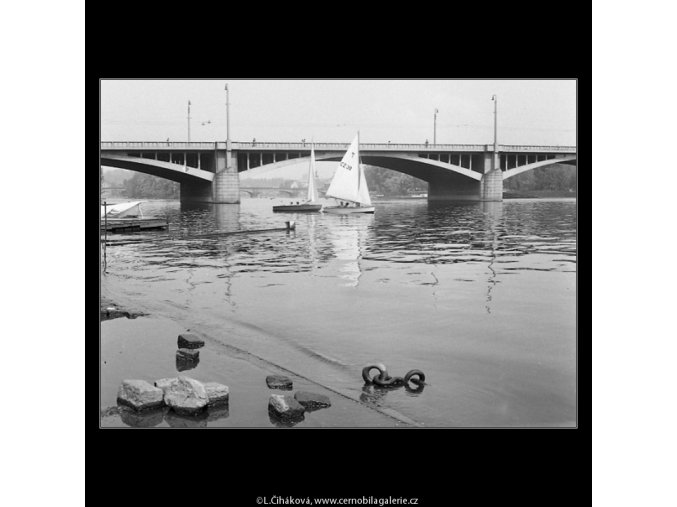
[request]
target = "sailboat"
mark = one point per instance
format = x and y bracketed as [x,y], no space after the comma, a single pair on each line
[311,199]
[349,186]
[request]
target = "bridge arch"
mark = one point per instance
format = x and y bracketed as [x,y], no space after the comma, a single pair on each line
[167,170]
[422,168]
[543,163]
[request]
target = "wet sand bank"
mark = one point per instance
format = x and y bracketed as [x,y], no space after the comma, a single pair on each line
[145,348]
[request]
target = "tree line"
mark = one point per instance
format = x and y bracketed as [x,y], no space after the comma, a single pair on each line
[147,186]
[388,182]
[560,177]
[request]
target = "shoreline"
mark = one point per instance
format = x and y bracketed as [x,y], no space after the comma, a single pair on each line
[144,348]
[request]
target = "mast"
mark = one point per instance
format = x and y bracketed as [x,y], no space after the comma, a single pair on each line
[359,167]
[311,197]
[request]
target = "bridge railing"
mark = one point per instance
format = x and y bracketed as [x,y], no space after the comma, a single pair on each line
[528,148]
[300,146]
[363,146]
[151,145]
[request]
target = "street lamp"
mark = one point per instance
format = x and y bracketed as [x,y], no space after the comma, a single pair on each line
[435,127]
[189,121]
[495,99]
[228,148]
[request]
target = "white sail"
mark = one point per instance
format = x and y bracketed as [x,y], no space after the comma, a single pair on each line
[346,182]
[312,190]
[363,191]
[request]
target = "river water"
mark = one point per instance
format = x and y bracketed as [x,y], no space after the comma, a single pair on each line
[480,296]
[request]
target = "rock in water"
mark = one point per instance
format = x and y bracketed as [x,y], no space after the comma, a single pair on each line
[188,354]
[190,341]
[278,382]
[217,393]
[143,419]
[183,421]
[186,396]
[183,364]
[139,394]
[216,412]
[285,406]
[312,400]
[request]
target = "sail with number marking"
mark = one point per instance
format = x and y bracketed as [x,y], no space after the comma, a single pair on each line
[349,183]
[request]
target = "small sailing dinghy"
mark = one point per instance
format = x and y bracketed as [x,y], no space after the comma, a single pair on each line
[311,199]
[349,186]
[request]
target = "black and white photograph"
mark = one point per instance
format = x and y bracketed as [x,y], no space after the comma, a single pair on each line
[338,253]
[387,271]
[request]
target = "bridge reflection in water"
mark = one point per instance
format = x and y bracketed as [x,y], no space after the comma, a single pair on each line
[493,213]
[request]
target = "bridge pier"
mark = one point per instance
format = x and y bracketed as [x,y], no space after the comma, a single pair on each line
[223,189]
[226,184]
[456,187]
[492,186]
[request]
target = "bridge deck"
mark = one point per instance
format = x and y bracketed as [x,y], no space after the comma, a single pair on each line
[339,147]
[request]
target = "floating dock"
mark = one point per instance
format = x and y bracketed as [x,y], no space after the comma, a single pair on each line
[133,224]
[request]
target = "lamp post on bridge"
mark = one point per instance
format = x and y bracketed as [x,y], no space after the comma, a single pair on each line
[189,121]
[228,147]
[435,127]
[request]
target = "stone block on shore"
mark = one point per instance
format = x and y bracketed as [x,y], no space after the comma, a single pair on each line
[216,393]
[312,400]
[139,394]
[164,383]
[285,406]
[279,382]
[190,341]
[187,396]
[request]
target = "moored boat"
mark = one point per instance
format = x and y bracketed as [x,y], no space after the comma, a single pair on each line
[311,200]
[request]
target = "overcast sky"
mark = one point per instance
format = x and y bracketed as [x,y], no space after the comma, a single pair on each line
[530,112]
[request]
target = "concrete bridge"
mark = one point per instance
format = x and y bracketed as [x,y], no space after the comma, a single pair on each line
[208,172]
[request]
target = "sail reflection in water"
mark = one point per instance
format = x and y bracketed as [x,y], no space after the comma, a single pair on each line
[348,238]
